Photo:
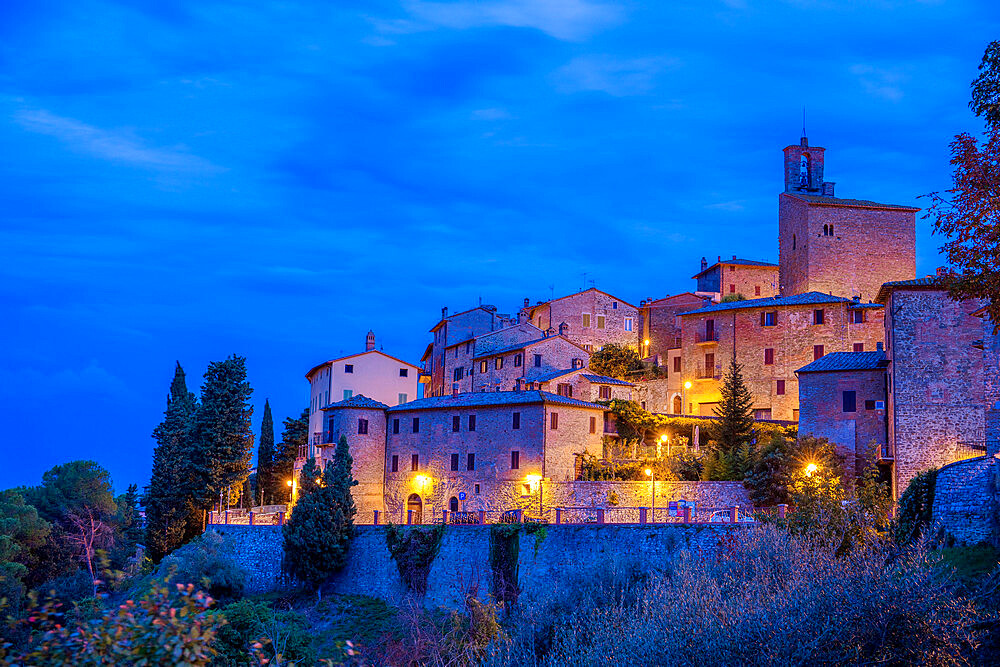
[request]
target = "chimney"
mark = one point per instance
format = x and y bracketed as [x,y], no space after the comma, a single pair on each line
[527,302]
[370,341]
[550,332]
[943,271]
[704,263]
[563,329]
[734,258]
[719,258]
[828,188]
[444,312]
[878,346]
[454,389]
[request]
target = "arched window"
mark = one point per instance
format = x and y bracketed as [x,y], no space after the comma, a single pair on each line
[677,405]
[414,504]
[831,230]
[804,170]
[826,230]
[453,504]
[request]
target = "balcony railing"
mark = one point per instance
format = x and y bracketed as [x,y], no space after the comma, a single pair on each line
[707,337]
[707,374]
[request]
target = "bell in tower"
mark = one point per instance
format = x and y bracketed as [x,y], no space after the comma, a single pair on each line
[370,341]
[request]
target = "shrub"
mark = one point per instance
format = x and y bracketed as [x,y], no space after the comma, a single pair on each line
[768,598]
[168,626]
[914,508]
[414,550]
[208,561]
[68,588]
[254,629]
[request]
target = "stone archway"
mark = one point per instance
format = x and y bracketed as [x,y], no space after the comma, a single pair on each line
[414,504]
[453,504]
[677,406]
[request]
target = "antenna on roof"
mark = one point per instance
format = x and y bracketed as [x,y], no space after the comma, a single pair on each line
[552,292]
[803,121]
[584,286]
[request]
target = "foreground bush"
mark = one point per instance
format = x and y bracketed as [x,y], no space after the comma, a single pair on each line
[768,598]
[169,626]
[209,562]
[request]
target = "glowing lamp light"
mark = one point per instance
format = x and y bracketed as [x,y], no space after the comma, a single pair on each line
[534,479]
[649,473]
[687,385]
[645,342]
[289,482]
[421,480]
[663,438]
[810,469]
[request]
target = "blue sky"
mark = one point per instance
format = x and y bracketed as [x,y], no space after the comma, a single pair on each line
[185,180]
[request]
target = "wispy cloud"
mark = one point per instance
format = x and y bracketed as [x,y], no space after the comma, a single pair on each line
[619,77]
[111,145]
[879,82]
[570,20]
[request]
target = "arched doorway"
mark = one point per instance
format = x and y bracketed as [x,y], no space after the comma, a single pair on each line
[453,504]
[677,405]
[414,504]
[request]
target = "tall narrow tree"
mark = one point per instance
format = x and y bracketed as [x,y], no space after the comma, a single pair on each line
[294,436]
[223,439]
[265,458]
[733,428]
[168,497]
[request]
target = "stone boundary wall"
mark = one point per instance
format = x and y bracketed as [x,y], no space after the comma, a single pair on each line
[964,500]
[548,564]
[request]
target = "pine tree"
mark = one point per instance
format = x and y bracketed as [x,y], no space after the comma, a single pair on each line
[294,436]
[168,497]
[223,438]
[769,482]
[733,427]
[317,535]
[265,458]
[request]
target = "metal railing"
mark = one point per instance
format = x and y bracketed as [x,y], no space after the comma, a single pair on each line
[707,337]
[706,374]
[242,517]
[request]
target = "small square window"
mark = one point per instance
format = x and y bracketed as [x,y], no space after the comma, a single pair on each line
[780,388]
[605,392]
[614,305]
[769,318]
[477,490]
[628,324]
[869,405]
[483,366]
[395,426]
[498,363]
[593,424]
[817,352]
[538,361]
[404,372]
[515,460]
[348,368]
[454,461]
[414,462]
[470,464]
[600,321]
[395,462]
[348,393]
[402,398]
[732,288]
[818,316]
[518,360]
[768,356]
[554,421]
[456,423]
[472,422]
[858,316]
[850,401]
[677,364]
[416,424]
[516,421]
[362,427]
[586,320]
[756,290]
[859,347]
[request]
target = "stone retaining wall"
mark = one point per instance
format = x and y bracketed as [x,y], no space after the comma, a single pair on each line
[964,503]
[548,563]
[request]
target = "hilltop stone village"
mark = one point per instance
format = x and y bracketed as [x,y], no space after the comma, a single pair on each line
[840,338]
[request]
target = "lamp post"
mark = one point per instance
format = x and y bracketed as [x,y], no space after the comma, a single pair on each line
[536,480]
[686,386]
[652,494]
[810,469]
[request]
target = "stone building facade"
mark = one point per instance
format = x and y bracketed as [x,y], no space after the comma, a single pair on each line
[842,397]
[936,398]
[450,331]
[845,247]
[746,278]
[594,319]
[660,324]
[520,364]
[581,383]
[371,373]
[461,370]
[771,339]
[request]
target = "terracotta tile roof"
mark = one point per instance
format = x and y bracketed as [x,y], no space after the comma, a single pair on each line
[927,282]
[359,354]
[357,401]
[604,379]
[491,399]
[807,298]
[521,346]
[847,361]
[836,201]
[735,262]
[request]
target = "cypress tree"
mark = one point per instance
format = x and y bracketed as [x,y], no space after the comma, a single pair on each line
[294,436]
[223,438]
[343,480]
[168,497]
[733,428]
[265,458]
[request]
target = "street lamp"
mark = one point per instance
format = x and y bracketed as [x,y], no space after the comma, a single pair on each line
[652,494]
[810,469]
[533,480]
[664,440]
